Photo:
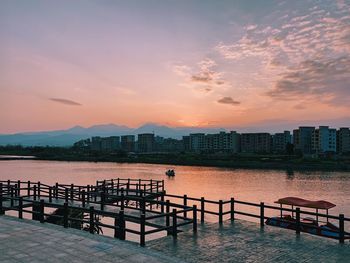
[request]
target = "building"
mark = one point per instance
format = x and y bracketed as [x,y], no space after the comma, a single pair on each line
[280,141]
[197,142]
[145,142]
[168,144]
[186,143]
[96,143]
[302,140]
[127,143]
[222,142]
[256,143]
[105,144]
[343,140]
[324,140]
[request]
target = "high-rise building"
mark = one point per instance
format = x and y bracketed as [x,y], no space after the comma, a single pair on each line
[197,142]
[145,142]
[224,142]
[96,143]
[127,143]
[186,143]
[343,140]
[256,142]
[324,140]
[302,139]
[280,141]
[105,144]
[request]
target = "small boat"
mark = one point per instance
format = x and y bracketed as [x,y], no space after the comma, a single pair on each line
[308,224]
[170,172]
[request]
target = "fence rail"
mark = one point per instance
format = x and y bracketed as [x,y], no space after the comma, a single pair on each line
[156,209]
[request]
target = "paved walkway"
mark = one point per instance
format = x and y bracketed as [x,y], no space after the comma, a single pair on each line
[29,241]
[243,241]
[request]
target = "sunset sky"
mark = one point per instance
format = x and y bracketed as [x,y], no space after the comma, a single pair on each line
[177,63]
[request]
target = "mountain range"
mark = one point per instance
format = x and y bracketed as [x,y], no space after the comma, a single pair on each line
[69,136]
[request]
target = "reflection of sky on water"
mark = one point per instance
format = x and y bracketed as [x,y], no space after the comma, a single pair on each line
[212,183]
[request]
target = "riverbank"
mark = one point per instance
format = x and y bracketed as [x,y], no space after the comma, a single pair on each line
[241,161]
[292,165]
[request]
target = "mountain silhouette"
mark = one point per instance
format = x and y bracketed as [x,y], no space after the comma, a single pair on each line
[69,136]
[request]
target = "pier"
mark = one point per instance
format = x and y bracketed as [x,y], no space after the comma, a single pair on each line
[134,206]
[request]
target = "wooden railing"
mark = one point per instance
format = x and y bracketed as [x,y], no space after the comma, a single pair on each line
[93,201]
[153,204]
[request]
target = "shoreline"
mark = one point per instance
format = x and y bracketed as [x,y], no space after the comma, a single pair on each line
[285,166]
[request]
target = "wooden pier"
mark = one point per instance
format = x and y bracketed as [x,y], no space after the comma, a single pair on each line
[143,202]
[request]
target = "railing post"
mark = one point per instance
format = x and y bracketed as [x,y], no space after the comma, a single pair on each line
[122,200]
[91,220]
[262,214]
[83,198]
[28,189]
[143,205]
[185,204]
[297,217]
[71,191]
[174,229]
[39,190]
[65,215]
[151,186]
[18,188]
[1,205]
[15,191]
[56,192]
[202,209]
[42,211]
[167,217]
[102,200]
[66,194]
[12,196]
[195,218]
[121,225]
[34,195]
[88,193]
[341,228]
[232,209]
[162,204]
[142,230]
[20,207]
[50,194]
[220,212]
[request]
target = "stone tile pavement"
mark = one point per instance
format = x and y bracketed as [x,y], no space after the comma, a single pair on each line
[243,241]
[29,241]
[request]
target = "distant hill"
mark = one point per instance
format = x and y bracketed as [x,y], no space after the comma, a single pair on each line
[69,136]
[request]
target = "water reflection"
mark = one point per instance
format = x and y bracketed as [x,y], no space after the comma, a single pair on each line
[212,183]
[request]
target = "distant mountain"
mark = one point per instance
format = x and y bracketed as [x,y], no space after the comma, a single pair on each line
[71,135]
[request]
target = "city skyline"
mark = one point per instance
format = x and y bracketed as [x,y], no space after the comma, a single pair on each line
[174,63]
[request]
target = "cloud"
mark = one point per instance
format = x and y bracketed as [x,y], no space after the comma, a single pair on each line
[203,77]
[65,101]
[300,55]
[228,100]
[326,81]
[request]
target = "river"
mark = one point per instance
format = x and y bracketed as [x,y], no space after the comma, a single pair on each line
[212,183]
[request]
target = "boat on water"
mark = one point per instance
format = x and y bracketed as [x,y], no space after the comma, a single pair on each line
[308,224]
[170,172]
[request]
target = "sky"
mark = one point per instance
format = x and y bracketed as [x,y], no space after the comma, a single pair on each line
[176,63]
